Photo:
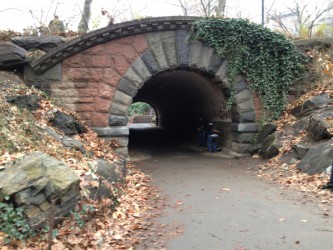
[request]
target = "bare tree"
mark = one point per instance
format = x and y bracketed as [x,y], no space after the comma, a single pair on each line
[205,8]
[299,19]
[220,8]
[85,17]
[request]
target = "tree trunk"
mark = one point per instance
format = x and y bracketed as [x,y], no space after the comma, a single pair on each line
[220,8]
[83,25]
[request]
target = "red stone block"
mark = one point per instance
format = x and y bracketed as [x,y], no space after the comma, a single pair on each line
[74,61]
[111,77]
[102,104]
[88,92]
[84,115]
[97,61]
[105,91]
[83,74]
[99,119]
[95,50]
[125,50]
[120,64]
[140,43]
[84,107]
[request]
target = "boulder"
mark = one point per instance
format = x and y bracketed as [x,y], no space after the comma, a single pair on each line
[317,159]
[66,141]
[318,128]
[310,106]
[67,124]
[300,150]
[265,131]
[44,43]
[105,175]
[34,180]
[301,125]
[11,56]
[270,146]
[29,102]
[107,170]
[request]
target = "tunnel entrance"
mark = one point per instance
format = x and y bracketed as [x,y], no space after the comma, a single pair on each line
[180,98]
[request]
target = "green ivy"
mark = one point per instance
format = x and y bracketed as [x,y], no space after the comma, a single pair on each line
[268,60]
[13,222]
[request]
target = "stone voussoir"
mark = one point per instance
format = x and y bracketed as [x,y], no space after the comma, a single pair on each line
[141,69]
[207,54]
[195,54]
[183,50]
[127,87]
[159,55]
[150,62]
[119,108]
[122,97]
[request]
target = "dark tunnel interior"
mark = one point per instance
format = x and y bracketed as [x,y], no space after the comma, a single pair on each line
[179,98]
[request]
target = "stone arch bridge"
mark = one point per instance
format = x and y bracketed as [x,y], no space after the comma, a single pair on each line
[101,73]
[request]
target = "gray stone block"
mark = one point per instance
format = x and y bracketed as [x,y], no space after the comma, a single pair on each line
[170,51]
[183,49]
[221,73]
[133,77]
[141,69]
[119,108]
[159,55]
[112,131]
[195,54]
[207,54]
[157,37]
[243,96]
[244,117]
[122,97]
[53,74]
[127,87]
[151,63]
[243,107]
[244,127]
[243,137]
[123,151]
[214,64]
[241,84]
[118,120]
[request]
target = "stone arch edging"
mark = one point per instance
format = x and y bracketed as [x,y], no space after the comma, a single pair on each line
[167,51]
[108,33]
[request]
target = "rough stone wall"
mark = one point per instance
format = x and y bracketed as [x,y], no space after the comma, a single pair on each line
[90,77]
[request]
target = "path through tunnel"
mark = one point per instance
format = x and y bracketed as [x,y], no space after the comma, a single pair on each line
[180,98]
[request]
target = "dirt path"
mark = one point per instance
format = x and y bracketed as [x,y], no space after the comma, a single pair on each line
[219,203]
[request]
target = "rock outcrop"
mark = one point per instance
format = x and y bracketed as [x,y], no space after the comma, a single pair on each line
[317,159]
[11,56]
[33,181]
[67,124]
[44,43]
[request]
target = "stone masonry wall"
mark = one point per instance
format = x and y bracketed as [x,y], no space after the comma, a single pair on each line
[90,78]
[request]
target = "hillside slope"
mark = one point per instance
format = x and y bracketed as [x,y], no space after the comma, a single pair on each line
[120,222]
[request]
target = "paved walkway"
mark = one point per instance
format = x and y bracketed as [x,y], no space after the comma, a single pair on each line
[219,203]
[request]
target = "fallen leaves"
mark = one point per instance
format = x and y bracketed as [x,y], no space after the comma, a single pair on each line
[105,226]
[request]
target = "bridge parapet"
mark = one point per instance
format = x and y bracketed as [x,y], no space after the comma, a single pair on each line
[108,33]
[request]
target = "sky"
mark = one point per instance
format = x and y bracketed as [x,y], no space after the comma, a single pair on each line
[18,14]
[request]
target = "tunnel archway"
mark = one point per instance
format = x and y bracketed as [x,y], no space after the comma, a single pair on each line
[181,97]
